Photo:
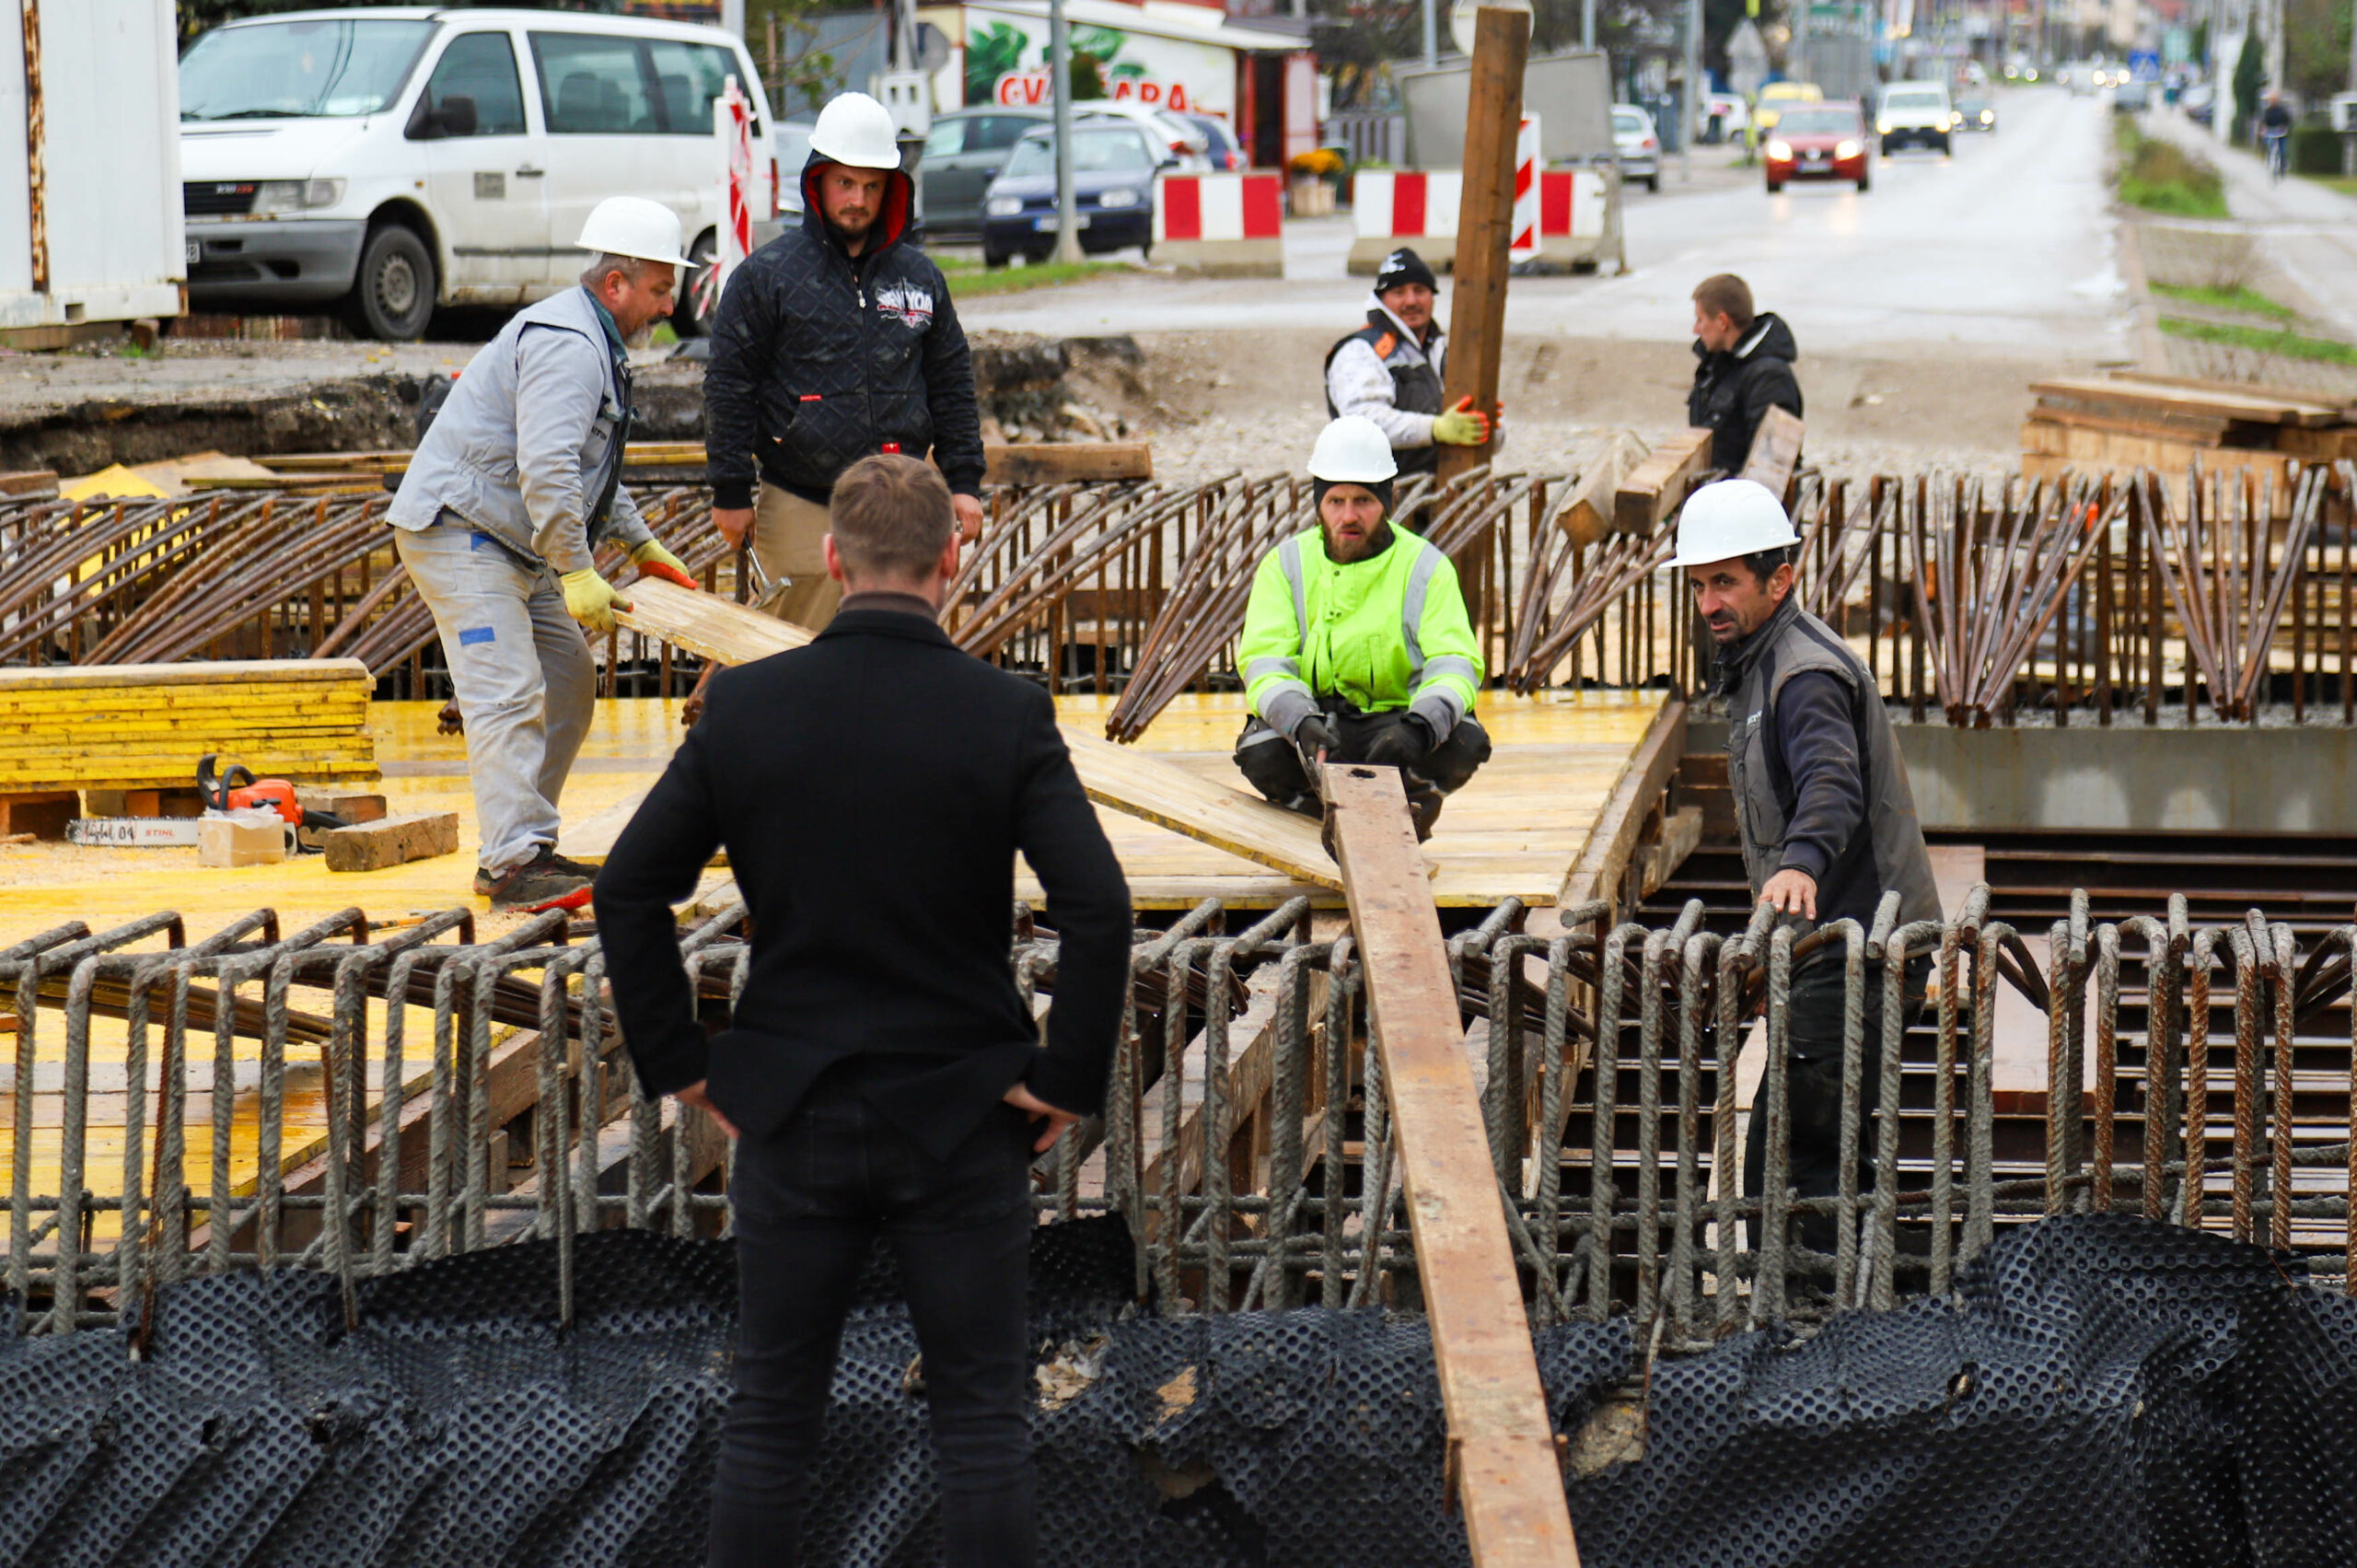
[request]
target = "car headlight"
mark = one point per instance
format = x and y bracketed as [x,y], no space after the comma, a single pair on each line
[1987,116]
[1004,206]
[1119,196]
[1844,151]
[296,195]
[1781,152]
[1882,127]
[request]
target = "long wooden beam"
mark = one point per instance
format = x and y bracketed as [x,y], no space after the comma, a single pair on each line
[1477,310]
[1502,1447]
[1596,872]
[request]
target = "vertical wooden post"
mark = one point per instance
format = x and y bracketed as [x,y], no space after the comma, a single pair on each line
[1476,312]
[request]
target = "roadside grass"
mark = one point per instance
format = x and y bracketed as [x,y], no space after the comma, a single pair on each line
[969,279]
[2345,184]
[2259,340]
[2240,297]
[2161,177]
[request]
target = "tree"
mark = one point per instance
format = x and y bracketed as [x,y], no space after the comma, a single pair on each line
[2250,72]
[2316,47]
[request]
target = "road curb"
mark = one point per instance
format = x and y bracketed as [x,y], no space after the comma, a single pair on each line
[2151,353]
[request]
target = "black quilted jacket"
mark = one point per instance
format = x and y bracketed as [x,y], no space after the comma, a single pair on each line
[819,358]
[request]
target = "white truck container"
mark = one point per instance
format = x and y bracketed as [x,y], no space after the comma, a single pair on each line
[90,225]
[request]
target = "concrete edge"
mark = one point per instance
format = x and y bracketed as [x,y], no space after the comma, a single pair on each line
[2151,353]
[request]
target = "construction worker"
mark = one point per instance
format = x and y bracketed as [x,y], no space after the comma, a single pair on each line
[1822,804]
[512,491]
[834,342]
[1390,370]
[1356,645]
[1744,368]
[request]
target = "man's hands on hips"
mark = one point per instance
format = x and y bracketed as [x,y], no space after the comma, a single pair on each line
[694,1095]
[1791,893]
[969,517]
[1021,1098]
[734,523]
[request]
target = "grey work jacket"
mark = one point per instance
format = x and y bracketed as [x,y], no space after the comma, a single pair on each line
[521,450]
[1794,641]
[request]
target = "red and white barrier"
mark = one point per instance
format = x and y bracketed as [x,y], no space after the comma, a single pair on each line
[1561,216]
[1220,224]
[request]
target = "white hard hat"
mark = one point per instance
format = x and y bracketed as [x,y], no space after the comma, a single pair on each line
[633,225]
[855,130]
[1732,518]
[1353,451]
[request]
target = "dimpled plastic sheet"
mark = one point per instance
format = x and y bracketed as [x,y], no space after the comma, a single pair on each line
[2100,1391]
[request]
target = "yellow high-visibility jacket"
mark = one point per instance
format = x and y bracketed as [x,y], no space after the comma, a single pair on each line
[1384,633]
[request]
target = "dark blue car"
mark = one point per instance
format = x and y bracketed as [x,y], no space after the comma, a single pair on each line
[1112,185]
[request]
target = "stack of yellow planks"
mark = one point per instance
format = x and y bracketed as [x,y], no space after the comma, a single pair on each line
[144,725]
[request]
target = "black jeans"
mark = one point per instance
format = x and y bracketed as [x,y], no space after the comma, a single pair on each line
[1271,764]
[1813,1089]
[810,1203]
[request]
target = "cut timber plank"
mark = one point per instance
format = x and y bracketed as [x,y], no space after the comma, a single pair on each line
[1059,462]
[1509,1481]
[392,840]
[1477,305]
[2258,403]
[1775,451]
[1133,782]
[1596,870]
[1591,513]
[1656,487]
[2167,427]
[52,678]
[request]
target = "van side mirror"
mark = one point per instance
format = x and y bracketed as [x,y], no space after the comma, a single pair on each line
[455,117]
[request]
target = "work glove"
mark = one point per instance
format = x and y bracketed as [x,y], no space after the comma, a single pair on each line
[1463,426]
[654,561]
[1402,744]
[590,599]
[1315,734]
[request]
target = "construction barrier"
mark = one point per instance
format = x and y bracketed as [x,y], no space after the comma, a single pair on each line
[1229,226]
[1578,216]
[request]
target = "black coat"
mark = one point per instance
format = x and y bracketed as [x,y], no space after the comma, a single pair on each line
[1733,391]
[872,790]
[821,359]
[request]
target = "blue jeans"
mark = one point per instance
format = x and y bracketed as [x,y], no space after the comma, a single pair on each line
[810,1200]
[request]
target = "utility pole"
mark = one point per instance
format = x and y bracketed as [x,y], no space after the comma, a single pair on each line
[1060,68]
[1431,32]
[1690,94]
[1587,24]
[1477,316]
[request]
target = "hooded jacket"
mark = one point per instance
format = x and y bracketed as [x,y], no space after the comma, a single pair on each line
[1735,389]
[821,359]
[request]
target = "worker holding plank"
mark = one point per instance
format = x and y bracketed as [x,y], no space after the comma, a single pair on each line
[1745,367]
[884,1077]
[1356,645]
[835,341]
[1822,805]
[513,489]
[1390,370]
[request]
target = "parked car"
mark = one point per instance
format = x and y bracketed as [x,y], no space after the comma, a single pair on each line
[1915,114]
[791,142]
[1226,153]
[386,161]
[1721,116]
[1776,96]
[1976,112]
[2200,102]
[1638,144]
[1113,166]
[1173,136]
[1819,141]
[963,153]
[2131,98]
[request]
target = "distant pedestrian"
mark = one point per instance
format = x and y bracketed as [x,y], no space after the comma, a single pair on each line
[834,342]
[1746,369]
[1390,370]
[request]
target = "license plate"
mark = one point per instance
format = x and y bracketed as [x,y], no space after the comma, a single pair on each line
[1048,225]
[194,248]
[1812,158]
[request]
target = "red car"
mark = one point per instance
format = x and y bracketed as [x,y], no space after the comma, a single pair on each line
[1819,141]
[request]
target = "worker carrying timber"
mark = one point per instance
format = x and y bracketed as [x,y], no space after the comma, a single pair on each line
[1744,368]
[514,488]
[1356,644]
[835,341]
[1390,370]
[1822,804]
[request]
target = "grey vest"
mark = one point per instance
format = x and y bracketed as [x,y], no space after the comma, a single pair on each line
[1799,641]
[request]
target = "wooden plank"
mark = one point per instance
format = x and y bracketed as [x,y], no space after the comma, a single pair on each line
[1005,463]
[1136,782]
[1592,513]
[1775,451]
[2347,407]
[2204,429]
[1059,462]
[1476,309]
[56,677]
[1502,1447]
[1656,487]
[1596,870]
[391,841]
[2258,403]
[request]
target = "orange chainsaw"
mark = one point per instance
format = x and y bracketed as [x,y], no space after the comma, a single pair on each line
[235,788]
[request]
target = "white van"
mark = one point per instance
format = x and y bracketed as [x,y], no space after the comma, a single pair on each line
[392,158]
[1917,114]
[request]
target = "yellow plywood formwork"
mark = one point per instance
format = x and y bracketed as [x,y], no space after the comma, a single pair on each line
[139,727]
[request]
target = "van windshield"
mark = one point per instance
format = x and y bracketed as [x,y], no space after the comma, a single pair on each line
[297,70]
[1915,100]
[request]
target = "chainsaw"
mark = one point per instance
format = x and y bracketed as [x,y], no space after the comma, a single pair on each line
[235,789]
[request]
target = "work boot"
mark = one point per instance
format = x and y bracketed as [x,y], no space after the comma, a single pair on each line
[485,881]
[541,883]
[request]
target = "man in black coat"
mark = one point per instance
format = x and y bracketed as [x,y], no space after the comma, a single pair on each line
[883,1075]
[835,341]
[1746,369]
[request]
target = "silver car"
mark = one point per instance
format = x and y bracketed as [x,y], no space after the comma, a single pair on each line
[1639,145]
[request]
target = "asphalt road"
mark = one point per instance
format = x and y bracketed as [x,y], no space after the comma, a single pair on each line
[2004,251]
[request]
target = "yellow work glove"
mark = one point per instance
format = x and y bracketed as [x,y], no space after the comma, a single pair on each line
[654,561]
[1461,426]
[590,599]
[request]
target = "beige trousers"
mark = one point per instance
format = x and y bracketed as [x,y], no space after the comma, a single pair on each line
[790,538]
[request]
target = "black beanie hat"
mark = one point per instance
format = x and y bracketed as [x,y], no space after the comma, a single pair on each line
[1403,265]
[1379,488]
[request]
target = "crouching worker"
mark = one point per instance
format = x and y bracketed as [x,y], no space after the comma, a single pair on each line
[1356,644]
